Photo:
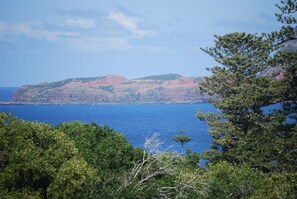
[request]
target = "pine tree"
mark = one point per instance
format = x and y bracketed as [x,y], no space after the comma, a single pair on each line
[182,139]
[242,131]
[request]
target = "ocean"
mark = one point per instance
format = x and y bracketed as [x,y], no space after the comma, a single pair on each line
[135,122]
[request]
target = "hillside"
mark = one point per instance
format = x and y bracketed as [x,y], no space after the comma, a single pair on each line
[112,89]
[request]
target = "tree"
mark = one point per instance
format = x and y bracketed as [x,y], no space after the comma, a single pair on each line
[287,8]
[106,151]
[41,162]
[225,180]
[237,91]
[182,139]
[242,131]
[161,174]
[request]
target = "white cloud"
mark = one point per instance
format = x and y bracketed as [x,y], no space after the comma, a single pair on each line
[31,29]
[82,23]
[127,22]
[130,24]
[97,44]
[79,40]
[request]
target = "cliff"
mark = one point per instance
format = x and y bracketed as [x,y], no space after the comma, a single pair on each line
[112,89]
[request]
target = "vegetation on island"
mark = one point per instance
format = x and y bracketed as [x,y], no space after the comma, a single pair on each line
[253,152]
[165,77]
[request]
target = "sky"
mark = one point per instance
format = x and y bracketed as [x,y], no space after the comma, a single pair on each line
[52,40]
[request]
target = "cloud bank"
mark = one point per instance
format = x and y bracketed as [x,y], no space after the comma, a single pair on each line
[83,34]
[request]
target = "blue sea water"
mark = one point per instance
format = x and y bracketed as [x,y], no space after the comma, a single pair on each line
[136,122]
[6,93]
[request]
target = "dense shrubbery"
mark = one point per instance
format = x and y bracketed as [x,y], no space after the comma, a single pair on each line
[41,161]
[77,160]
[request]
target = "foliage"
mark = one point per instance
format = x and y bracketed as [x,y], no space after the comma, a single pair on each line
[73,180]
[101,146]
[72,160]
[35,157]
[162,77]
[107,151]
[162,174]
[240,181]
[182,139]
[38,161]
[287,8]
[242,131]
[192,160]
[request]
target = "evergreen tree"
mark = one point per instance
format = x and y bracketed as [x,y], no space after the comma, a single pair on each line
[182,139]
[242,130]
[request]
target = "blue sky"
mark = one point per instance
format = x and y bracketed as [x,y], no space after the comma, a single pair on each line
[44,41]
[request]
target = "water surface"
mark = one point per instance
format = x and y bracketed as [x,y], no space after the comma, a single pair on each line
[136,122]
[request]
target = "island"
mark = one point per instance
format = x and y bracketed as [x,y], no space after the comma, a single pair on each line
[113,89]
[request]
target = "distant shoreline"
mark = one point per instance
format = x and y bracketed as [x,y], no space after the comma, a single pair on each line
[111,89]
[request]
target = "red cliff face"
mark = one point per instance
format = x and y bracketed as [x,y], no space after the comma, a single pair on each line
[112,89]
